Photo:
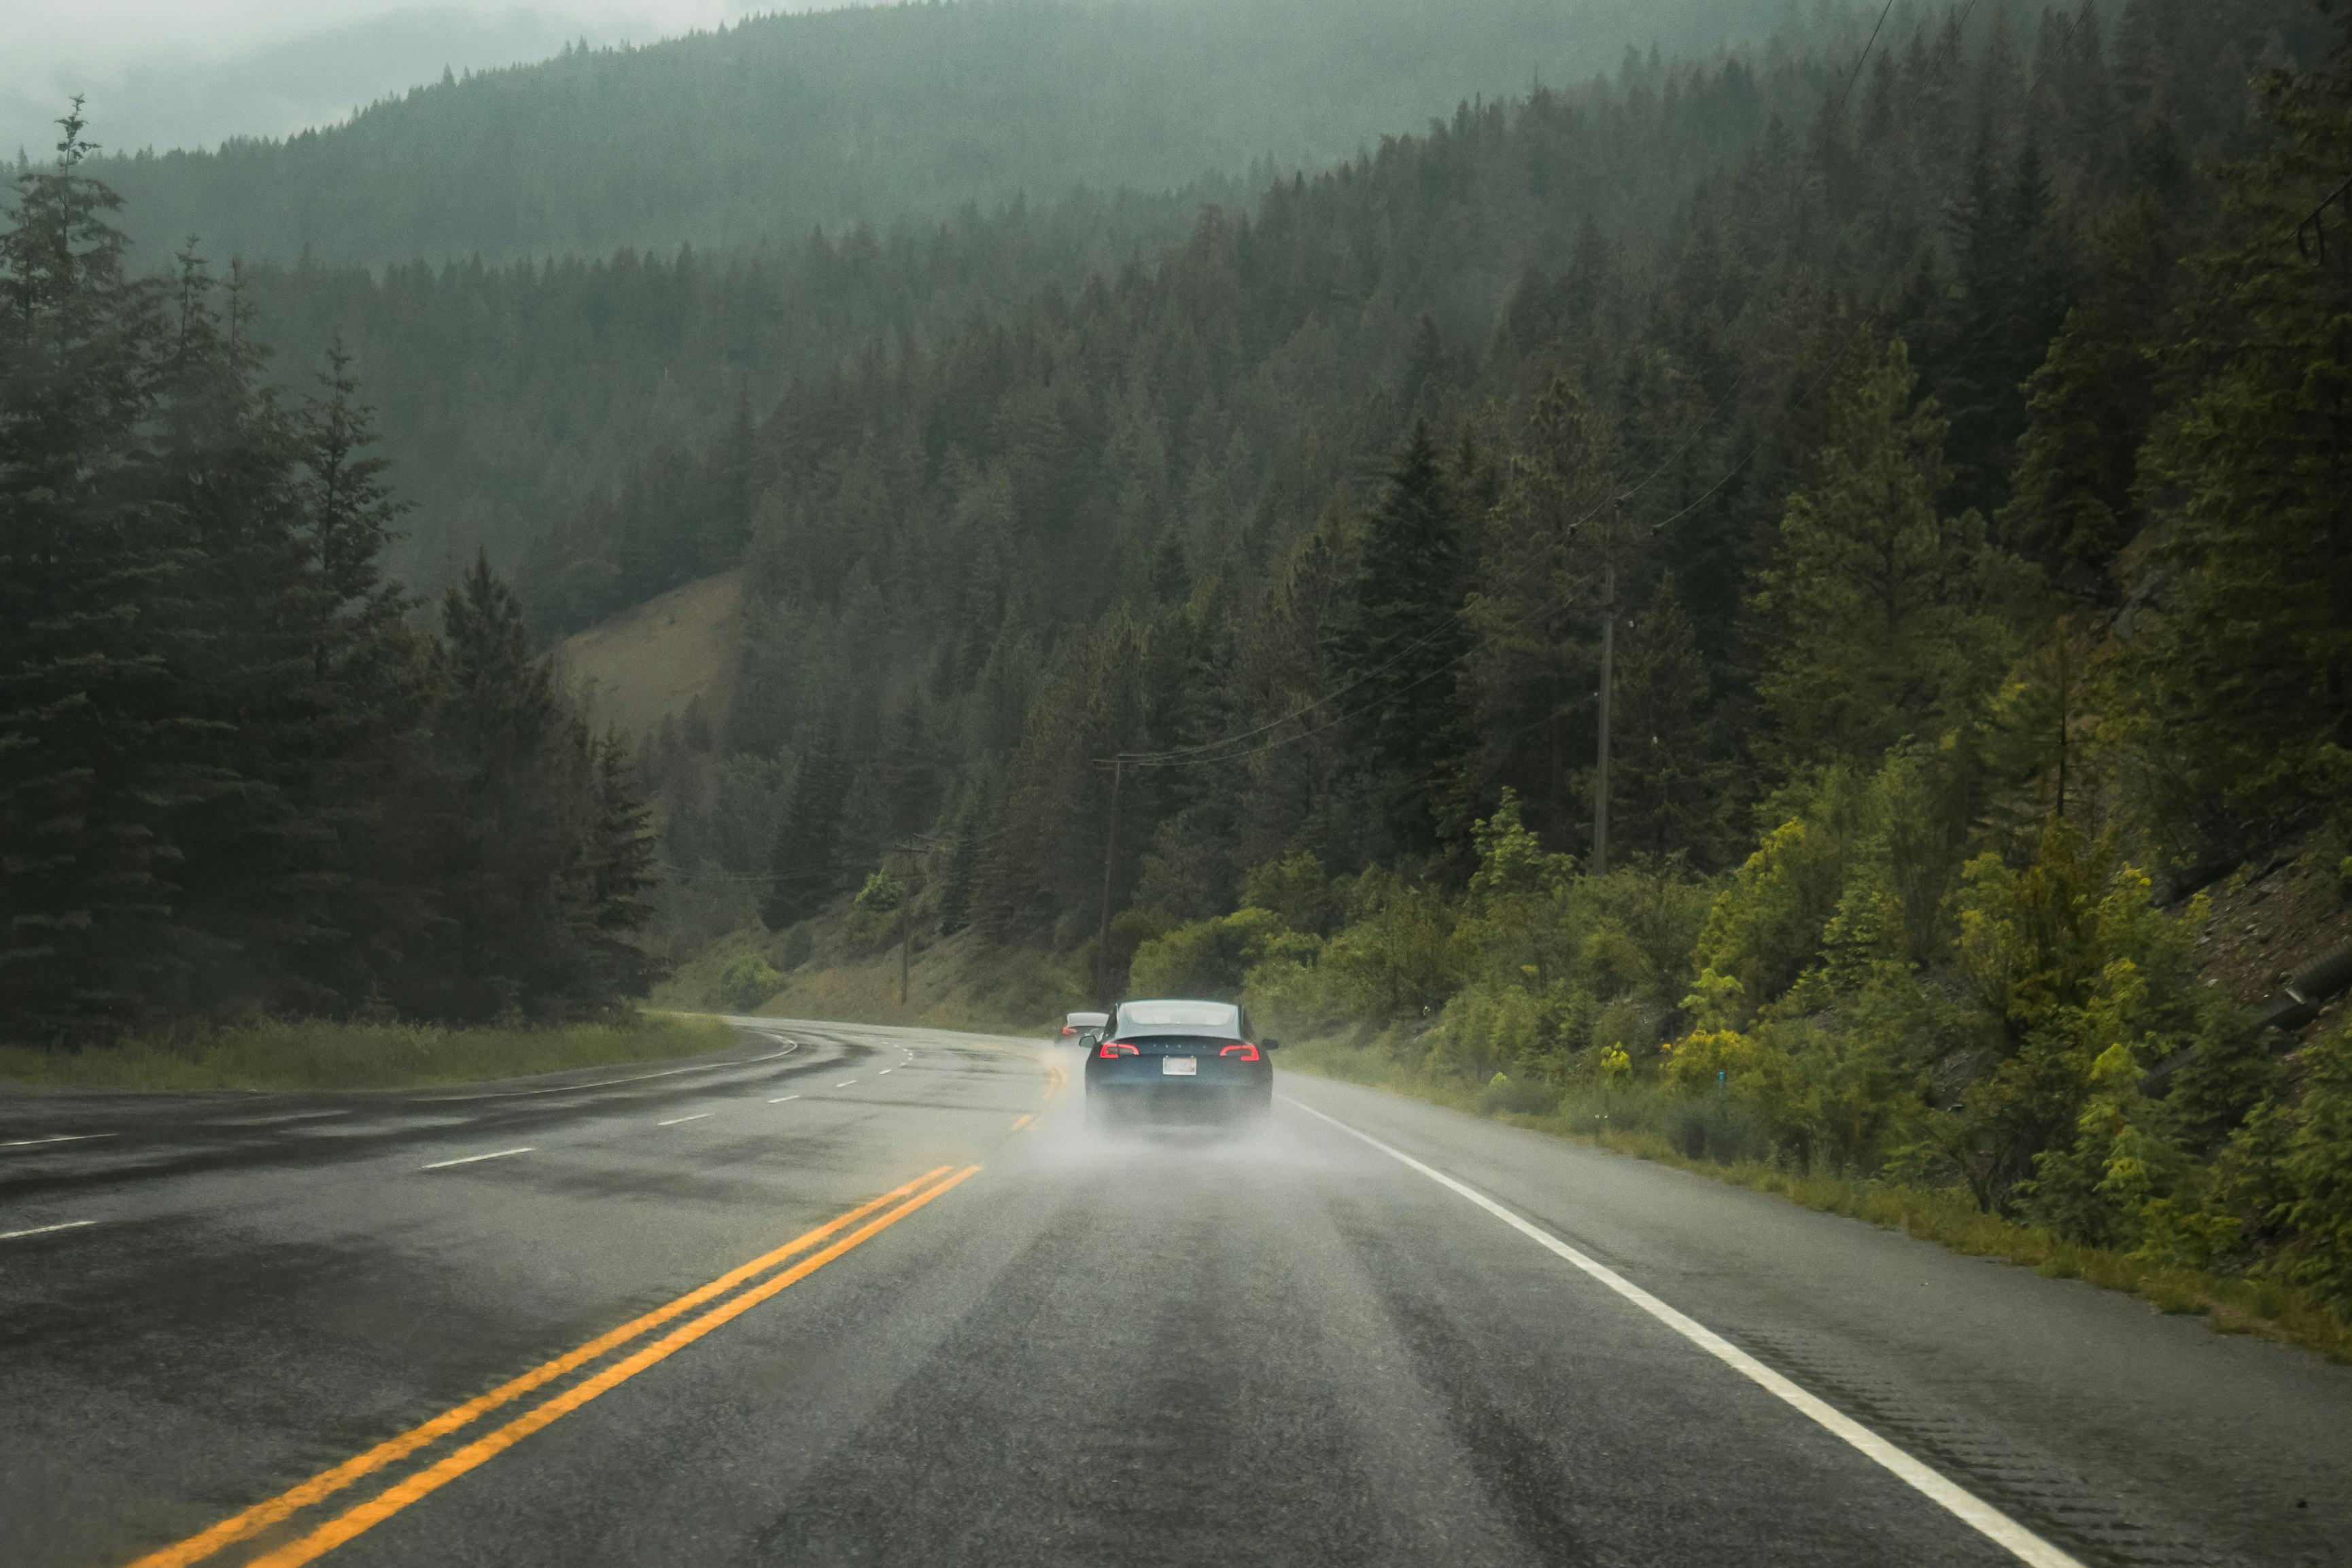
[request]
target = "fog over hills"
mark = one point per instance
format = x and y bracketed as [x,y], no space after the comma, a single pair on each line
[784,122]
[194,73]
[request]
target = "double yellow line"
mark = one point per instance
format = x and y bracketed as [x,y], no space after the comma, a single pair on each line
[875,1217]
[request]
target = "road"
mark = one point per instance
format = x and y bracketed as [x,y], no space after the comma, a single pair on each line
[859,1295]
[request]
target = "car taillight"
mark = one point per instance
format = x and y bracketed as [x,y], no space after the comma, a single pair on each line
[1069,1028]
[1246,1051]
[1118,1048]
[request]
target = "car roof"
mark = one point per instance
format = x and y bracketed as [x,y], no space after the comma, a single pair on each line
[1086,1018]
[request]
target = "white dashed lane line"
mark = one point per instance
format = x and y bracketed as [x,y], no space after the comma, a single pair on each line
[780,1102]
[845,1083]
[53,1138]
[674,1121]
[473,1159]
[45,1229]
[885,1072]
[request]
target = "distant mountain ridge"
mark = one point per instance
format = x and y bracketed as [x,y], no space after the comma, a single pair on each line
[787,122]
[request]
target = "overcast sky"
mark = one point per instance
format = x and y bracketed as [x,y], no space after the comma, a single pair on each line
[186,73]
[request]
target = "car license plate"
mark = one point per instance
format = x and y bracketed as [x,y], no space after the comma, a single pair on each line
[1179,1066]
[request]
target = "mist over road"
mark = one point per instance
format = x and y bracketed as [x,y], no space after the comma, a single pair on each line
[870,1295]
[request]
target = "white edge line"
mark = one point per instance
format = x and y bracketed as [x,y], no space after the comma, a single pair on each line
[1964,1505]
[780,1102]
[45,1229]
[55,1138]
[674,1121]
[469,1159]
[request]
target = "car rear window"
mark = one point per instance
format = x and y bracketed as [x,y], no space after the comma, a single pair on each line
[1221,1016]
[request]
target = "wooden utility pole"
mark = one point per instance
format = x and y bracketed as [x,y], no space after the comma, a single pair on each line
[1608,680]
[1110,851]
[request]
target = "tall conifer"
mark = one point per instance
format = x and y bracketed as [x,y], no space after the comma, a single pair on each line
[92,772]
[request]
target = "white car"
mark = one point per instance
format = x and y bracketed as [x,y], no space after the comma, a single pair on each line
[1084,1031]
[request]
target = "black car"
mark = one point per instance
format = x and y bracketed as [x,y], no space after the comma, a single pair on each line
[1176,1060]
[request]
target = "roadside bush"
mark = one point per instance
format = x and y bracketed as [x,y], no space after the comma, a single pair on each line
[2287,1172]
[1489,1030]
[1394,959]
[1296,889]
[1520,1096]
[1764,928]
[874,918]
[748,980]
[2070,962]
[1214,957]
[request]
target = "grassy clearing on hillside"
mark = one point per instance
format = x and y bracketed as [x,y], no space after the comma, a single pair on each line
[311,1053]
[1653,1124]
[647,662]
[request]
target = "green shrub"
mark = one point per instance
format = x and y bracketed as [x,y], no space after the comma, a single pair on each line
[748,980]
[1395,958]
[2070,960]
[873,916]
[1213,957]
[2289,1171]
[1296,889]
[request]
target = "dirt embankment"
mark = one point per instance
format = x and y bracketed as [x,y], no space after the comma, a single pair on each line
[2269,917]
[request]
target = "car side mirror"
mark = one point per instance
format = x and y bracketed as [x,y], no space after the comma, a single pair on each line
[1269,1045]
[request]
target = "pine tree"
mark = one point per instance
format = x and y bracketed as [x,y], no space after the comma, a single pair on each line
[365,691]
[260,853]
[806,870]
[1404,641]
[1670,792]
[2012,295]
[1878,612]
[2088,409]
[623,863]
[531,842]
[1547,540]
[92,770]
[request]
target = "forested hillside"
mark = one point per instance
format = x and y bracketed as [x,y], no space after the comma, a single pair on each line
[870,113]
[510,397]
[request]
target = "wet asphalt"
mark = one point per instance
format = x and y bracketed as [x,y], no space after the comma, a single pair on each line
[1289,1348]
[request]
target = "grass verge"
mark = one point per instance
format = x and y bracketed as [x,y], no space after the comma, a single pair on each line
[1650,1124]
[312,1053]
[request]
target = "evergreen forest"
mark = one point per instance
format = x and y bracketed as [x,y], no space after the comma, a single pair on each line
[1917,442]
